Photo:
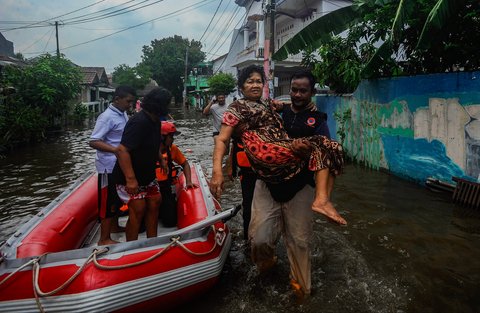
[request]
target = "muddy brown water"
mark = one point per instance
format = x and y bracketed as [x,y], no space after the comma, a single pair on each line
[406,249]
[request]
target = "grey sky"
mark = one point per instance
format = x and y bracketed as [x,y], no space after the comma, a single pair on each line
[156,20]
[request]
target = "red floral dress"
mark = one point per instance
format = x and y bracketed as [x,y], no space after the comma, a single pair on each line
[268,146]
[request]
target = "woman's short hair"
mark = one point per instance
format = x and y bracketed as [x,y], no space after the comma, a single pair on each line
[157,101]
[246,72]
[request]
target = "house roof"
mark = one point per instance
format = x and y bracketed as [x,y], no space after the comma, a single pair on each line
[94,75]
[7,60]
[89,78]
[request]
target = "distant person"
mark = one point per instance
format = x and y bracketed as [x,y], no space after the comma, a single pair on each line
[138,105]
[105,139]
[173,156]
[216,107]
[137,154]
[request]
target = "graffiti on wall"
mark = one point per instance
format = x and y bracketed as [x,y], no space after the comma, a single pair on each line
[413,132]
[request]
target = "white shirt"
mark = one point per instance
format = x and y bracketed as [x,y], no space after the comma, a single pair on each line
[109,129]
[217,115]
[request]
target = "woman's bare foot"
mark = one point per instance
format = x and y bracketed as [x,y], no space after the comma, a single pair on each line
[326,208]
[107,242]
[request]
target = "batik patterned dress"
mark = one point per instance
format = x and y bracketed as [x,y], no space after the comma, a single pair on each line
[268,147]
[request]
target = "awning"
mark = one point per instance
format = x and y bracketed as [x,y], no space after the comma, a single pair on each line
[105,89]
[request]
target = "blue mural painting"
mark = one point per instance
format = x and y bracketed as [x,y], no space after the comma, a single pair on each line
[416,127]
[417,158]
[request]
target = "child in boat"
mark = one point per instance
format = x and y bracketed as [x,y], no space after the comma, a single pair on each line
[173,155]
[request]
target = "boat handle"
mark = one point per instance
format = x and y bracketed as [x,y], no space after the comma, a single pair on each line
[70,220]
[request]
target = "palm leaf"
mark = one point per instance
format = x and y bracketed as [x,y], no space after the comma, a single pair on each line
[319,30]
[438,16]
[378,59]
[404,9]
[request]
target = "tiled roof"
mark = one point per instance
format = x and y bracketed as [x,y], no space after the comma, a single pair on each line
[94,75]
[98,70]
[89,78]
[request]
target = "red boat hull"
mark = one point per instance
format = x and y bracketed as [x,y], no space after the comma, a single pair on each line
[152,274]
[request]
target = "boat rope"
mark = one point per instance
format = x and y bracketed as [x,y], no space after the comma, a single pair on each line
[116,267]
[175,241]
[37,291]
[218,241]
[17,270]
[219,236]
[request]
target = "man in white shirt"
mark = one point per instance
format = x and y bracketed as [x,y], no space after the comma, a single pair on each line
[216,108]
[105,139]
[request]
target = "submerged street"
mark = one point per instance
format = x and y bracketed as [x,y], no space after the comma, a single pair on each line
[405,249]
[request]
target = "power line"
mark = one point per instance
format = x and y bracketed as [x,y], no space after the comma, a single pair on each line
[114,13]
[48,31]
[226,37]
[53,18]
[45,48]
[219,37]
[216,22]
[236,36]
[102,10]
[209,23]
[166,16]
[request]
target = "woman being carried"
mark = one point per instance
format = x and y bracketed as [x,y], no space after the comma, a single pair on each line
[270,151]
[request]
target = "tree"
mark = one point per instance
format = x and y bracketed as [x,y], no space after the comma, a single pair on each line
[41,98]
[399,37]
[221,83]
[19,56]
[137,77]
[166,60]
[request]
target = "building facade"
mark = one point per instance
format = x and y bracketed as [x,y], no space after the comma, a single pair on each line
[251,44]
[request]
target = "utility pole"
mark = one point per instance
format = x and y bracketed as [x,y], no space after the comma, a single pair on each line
[58,47]
[185,78]
[272,48]
[268,63]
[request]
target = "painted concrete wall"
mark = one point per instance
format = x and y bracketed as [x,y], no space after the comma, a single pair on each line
[415,127]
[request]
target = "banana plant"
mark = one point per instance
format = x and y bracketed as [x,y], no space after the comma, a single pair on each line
[440,13]
[336,22]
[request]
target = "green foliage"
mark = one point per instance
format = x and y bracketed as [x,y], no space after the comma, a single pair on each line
[402,37]
[221,83]
[40,101]
[19,56]
[137,77]
[20,122]
[79,112]
[165,58]
[342,118]
[338,66]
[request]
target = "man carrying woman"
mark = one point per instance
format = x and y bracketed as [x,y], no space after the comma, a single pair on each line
[275,158]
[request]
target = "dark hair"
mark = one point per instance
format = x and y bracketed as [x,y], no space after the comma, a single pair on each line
[305,74]
[124,91]
[246,72]
[157,101]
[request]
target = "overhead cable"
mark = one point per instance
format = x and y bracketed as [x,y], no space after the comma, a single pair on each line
[53,18]
[209,23]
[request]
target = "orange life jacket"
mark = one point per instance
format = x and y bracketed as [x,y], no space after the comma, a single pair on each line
[242,159]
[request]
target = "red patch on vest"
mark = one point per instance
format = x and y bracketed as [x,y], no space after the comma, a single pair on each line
[311,121]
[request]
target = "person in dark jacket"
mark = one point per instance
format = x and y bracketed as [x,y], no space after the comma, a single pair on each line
[284,209]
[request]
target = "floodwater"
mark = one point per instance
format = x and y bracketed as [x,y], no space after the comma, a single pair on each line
[405,249]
